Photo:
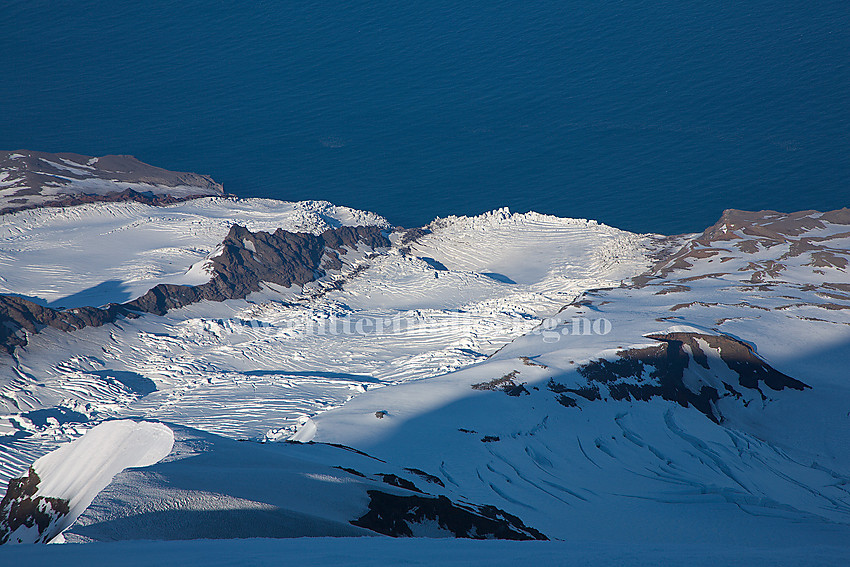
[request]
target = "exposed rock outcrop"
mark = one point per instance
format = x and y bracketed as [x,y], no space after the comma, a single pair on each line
[400,516]
[739,234]
[505,384]
[18,315]
[21,508]
[664,371]
[248,258]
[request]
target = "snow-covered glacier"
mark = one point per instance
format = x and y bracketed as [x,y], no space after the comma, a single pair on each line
[315,371]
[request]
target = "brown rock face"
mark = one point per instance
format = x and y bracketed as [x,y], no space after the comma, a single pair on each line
[18,314]
[739,234]
[248,258]
[505,384]
[20,507]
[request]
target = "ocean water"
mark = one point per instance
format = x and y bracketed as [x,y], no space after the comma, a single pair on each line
[650,116]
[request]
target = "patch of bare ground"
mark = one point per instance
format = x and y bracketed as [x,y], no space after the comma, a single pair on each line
[529,362]
[691,304]
[833,295]
[713,275]
[828,259]
[673,289]
[504,384]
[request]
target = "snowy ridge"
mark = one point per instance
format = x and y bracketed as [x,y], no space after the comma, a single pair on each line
[212,487]
[572,431]
[257,368]
[533,249]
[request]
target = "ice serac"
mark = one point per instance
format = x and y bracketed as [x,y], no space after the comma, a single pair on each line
[712,407]
[61,485]
[31,179]
[245,259]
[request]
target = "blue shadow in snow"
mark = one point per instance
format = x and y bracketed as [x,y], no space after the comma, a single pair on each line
[435,264]
[134,381]
[110,291]
[498,277]
[60,414]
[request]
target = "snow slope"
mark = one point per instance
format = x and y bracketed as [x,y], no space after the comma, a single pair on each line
[331,552]
[64,482]
[211,487]
[588,382]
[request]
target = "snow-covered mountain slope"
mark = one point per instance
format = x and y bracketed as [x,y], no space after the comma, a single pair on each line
[257,367]
[549,253]
[708,403]
[38,179]
[62,484]
[555,376]
[213,488]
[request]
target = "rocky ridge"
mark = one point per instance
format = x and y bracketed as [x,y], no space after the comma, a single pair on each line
[31,179]
[244,260]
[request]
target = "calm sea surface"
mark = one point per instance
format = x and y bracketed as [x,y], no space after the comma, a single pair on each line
[650,116]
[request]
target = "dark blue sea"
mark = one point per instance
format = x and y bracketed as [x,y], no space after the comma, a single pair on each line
[650,116]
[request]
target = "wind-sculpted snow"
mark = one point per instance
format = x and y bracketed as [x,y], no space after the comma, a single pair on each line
[532,248]
[91,255]
[258,367]
[60,485]
[524,368]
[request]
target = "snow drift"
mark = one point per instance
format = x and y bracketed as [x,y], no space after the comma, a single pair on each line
[61,485]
